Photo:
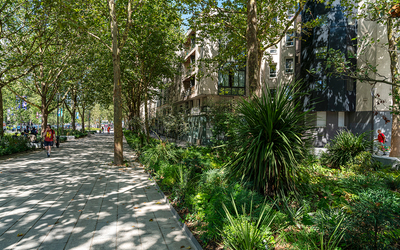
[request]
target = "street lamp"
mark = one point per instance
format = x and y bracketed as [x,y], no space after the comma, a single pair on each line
[58,129]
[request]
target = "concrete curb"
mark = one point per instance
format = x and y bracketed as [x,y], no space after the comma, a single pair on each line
[177,217]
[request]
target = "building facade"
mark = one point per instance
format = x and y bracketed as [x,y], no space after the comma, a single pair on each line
[338,102]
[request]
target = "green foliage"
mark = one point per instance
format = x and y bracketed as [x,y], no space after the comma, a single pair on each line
[160,152]
[244,232]
[375,219]
[271,137]
[343,149]
[11,144]
[363,162]
[225,122]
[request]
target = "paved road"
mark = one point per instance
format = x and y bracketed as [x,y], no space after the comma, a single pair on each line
[76,200]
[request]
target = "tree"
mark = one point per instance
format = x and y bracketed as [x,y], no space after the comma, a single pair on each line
[244,30]
[18,41]
[153,56]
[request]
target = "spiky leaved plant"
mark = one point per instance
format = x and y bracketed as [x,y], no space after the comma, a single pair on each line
[273,137]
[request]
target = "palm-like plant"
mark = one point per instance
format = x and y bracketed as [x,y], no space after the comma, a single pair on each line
[273,134]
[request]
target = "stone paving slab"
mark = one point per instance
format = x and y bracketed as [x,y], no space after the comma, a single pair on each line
[77,200]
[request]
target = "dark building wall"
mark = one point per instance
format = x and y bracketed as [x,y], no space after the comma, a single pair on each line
[361,122]
[328,92]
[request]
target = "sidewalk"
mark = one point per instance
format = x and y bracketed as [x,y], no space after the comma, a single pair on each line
[76,200]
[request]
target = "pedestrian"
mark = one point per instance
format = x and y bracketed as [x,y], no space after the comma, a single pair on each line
[48,139]
[102,129]
[108,129]
[382,140]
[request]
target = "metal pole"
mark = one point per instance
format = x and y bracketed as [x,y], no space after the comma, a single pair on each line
[58,102]
[58,127]
[372,117]
[89,124]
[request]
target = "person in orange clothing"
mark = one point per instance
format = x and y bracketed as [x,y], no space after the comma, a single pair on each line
[48,135]
[108,129]
[382,141]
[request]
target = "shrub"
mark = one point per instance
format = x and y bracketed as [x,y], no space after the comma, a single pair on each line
[363,162]
[343,149]
[245,232]
[11,145]
[375,219]
[272,136]
[161,151]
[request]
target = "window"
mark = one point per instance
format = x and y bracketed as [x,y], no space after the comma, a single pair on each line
[322,20]
[290,39]
[320,52]
[350,84]
[272,70]
[232,82]
[320,85]
[273,50]
[321,119]
[341,119]
[351,20]
[289,65]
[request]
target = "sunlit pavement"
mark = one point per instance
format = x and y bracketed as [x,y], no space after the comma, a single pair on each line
[76,200]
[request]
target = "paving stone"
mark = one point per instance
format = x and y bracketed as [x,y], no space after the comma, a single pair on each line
[76,200]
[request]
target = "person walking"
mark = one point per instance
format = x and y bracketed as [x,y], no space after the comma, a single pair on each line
[48,135]
[382,141]
[108,129]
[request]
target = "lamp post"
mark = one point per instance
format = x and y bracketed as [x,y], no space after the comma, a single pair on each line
[58,129]
[89,124]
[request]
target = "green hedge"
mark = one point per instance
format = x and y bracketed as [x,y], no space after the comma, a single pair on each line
[11,144]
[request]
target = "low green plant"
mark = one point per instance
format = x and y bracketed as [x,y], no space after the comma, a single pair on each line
[161,151]
[11,144]
[375,219]
[363,163]
[344,147]
[330,227]
[244,232]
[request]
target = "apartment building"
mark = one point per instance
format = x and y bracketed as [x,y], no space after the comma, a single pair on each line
[342,102]
[338,102]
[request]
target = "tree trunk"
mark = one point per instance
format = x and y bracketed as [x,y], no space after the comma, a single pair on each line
[394,60]
[146,118]
[1,112]
[44,119]
[253,70]
[73,112]
[118,136]
[83,119]
[45,114]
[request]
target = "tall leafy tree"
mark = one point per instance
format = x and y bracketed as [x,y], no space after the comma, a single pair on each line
[244,30]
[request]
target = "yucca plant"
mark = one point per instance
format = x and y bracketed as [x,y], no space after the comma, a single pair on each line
[343,149]
[273,138]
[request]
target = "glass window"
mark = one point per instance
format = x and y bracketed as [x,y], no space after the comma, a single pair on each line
[320,85]
[290,39]
[223,79]
[273,50]
[341,119]
[350,84]
[289,65]
[320,52]
[321,119]
[272,70]
[231,83]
